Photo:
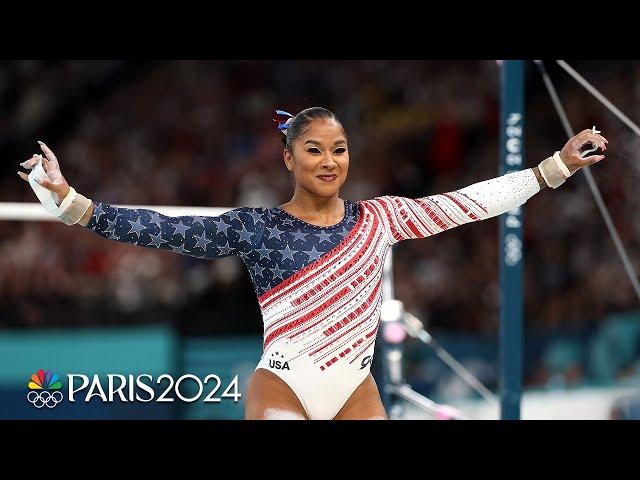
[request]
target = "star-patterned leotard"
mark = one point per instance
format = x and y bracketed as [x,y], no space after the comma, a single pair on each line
[319,288]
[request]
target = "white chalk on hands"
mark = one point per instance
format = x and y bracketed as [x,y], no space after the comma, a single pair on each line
[595,147]
[44,195]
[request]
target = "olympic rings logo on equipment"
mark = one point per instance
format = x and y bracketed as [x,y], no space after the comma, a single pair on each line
[40,399]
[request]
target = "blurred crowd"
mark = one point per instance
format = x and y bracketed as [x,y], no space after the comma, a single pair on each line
[200,133]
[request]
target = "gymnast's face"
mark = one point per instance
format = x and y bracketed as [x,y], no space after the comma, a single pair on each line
[320,158]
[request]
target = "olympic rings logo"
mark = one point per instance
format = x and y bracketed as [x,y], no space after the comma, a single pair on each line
[40,399]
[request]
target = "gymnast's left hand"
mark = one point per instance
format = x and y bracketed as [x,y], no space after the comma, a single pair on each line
[570,153]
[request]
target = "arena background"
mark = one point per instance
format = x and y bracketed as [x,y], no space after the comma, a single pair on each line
[200,133]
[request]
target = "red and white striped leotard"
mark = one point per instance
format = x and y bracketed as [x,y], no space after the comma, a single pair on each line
[322,321]
[319,288]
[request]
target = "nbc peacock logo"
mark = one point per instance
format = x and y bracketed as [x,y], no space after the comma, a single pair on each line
[44,389]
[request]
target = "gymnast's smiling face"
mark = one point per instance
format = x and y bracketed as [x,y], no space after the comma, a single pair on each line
[320,158]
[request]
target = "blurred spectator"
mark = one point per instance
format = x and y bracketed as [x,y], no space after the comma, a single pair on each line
[626,408]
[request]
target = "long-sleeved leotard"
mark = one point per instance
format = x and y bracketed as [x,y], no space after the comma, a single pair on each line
[319,288]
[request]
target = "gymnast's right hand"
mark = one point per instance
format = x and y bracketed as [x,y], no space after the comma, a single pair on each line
[55,182]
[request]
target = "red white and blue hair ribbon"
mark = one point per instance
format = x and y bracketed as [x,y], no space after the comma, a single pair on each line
[283,125]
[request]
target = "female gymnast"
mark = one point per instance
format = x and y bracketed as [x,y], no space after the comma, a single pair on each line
[315,261]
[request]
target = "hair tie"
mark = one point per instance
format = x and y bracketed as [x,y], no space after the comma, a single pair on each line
[283,125]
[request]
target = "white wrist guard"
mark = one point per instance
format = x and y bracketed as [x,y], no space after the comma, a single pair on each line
[71,209]
[554,171]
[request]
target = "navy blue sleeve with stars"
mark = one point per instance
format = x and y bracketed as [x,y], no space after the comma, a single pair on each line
[273,244]
[202,237]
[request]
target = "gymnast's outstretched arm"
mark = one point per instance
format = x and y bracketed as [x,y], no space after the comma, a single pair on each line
[406,218]
[202,237]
